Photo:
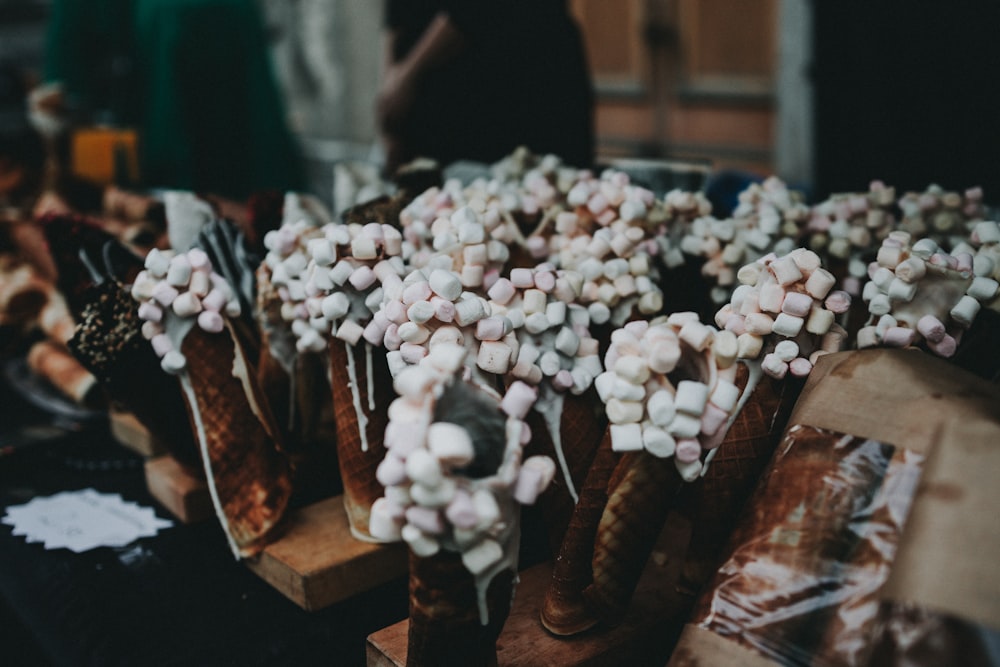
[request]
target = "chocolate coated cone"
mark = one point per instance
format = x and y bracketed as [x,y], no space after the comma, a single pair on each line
[445,624]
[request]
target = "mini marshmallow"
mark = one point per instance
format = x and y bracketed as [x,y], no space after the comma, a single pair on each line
[982,288]
[179,272]
[684,426]
[157,263]
[502,291]
[712,419]
[758,324]
[411,332]
[173,362]
[494,357]
[626,437]
[691,397]
[423,468]
[632,368]
[422,545]
[774,366]
[800,367]
[770,298]
[725,395]
[965,311]
[900,290]
[785,271]
[535,475]
[786,350]
[787,325]
[362,278]
[838,302]
[879,305]
[688,450]
[164,293]
[658,442]
[797,304]
[945,347]
[624,412]
[725,348]
[350,332]
[697,335]
[820,320]
[468,311]
[450,443]
[210,321]
[445,284]
[186,305]
[518,399]
[898,336]
[750,345]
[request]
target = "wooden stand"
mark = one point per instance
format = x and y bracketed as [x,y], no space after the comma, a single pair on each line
[127,430]
[645,636]
[182,494]
[316,561]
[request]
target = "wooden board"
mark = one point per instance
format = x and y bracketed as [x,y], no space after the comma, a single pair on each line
[128,431]
[646,635]
[316,561]
[181,493]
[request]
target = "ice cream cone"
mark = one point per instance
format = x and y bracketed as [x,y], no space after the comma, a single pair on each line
[626,534]
[445,624]
[564,611]
[713,502]
[249,477]
[360,404]
[582,424]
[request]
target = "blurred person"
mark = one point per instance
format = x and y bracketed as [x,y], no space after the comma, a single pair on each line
[195,78]
[473,80]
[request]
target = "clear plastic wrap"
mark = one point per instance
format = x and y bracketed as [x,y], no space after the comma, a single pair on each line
[801,582]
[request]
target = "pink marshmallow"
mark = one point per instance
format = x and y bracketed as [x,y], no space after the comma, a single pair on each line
[688,450]
[898,336]
[797,304]
[800,367]
[461,511]
[838,302]
[712,419]
[426,519]
[518,399]
[945,347]
[444,310]
[545,281]
[931,328]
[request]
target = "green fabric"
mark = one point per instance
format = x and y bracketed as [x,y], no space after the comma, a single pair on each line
[211,117]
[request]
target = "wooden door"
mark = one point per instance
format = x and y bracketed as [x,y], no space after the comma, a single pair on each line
[684,79]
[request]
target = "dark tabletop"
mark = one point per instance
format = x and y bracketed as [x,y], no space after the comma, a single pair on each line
[178,598]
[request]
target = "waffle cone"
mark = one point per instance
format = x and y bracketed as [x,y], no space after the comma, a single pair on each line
[713,502]
[580,427]
[564,611]
[445,623]
[248,474]
[641,493]
[358,463]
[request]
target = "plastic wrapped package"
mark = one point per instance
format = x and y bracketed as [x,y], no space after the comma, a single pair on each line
[869,540]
